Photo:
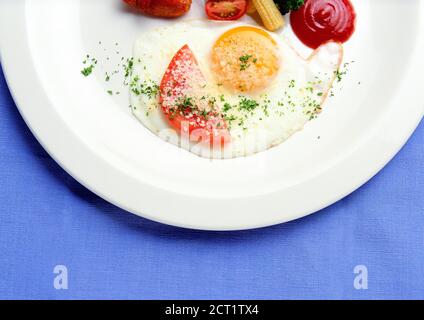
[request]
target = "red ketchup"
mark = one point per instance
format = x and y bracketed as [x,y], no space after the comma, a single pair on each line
[319,21]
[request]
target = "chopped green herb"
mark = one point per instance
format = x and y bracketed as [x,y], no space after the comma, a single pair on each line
[151,90]
[340,73]
[226,107]
[244,61]
[248,104]
[128,67]
[87,71]
[184,103]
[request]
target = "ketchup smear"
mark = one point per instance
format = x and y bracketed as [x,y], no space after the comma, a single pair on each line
[319,21]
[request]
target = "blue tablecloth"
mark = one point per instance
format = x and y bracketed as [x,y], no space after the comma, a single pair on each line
[48,219]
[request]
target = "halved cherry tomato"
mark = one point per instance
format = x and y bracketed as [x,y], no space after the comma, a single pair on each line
[226,9]
[180,88]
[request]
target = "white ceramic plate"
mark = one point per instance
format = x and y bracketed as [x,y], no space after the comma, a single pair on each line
[97,140]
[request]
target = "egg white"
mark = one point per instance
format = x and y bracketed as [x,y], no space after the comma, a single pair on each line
[291,99]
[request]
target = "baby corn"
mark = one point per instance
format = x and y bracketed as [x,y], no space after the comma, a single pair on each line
[270,15]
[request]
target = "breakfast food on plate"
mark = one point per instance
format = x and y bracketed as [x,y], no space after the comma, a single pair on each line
[227,90]
[270,15]
[226,9]
[161,8]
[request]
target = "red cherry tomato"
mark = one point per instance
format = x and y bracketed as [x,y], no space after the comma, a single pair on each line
[184,76]
[226,9]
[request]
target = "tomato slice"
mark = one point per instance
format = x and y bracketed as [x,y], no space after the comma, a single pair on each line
[225,9]
[182,91]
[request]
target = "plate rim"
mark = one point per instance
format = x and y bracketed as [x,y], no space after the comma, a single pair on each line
[90,170]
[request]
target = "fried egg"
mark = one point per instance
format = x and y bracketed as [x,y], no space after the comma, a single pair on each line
[264,90]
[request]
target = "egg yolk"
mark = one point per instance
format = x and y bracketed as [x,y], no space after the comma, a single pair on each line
[245,59]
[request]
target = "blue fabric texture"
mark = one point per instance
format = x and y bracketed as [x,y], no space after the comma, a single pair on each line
[48,219]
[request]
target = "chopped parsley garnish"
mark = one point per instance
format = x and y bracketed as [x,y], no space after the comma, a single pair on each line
[248,104]
[128,67]
[226,107]
[339,74]
[87,71]
[244,61]
[147,88]
[150,90]
[185,103]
